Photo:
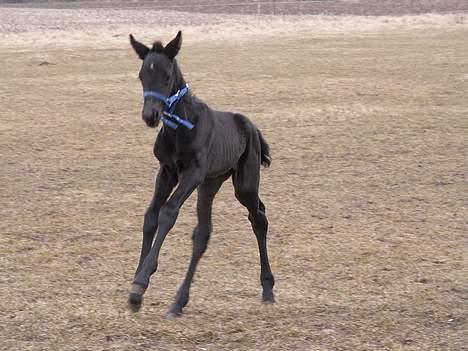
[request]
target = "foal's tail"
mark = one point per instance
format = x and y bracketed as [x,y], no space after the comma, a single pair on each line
[265,150]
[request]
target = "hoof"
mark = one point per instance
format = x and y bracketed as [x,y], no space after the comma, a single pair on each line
[173,315]
[135,298]
[134,302]
[268,298]
[174,312]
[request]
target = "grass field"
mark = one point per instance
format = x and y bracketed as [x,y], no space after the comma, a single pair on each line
[366,196]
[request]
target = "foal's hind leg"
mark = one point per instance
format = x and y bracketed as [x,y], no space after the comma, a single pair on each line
[201,234]
[246,183]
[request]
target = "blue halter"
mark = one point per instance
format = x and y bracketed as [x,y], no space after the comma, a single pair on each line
[169,118]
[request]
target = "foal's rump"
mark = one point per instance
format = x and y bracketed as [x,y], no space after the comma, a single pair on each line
[256,145]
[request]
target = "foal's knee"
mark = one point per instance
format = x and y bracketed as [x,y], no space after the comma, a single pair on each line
[167,216]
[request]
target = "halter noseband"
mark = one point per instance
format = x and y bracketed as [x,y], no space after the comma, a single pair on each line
[170,119]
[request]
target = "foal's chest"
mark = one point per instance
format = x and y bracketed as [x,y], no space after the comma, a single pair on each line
[169,153]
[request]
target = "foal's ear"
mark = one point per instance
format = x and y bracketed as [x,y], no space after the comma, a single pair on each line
[141,49]
[172,49]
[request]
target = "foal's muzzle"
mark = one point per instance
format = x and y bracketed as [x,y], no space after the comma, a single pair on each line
[152,112]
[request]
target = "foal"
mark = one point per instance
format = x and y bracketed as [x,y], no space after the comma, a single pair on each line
[197,148]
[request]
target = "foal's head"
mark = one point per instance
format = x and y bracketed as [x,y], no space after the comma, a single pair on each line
[158,74]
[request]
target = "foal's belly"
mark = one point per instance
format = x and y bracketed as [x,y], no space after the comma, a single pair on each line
[225,151]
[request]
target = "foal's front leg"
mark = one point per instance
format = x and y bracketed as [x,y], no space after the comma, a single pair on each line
[166,180]
[189,179]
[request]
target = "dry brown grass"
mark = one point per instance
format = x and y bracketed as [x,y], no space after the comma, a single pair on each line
[108,28]
[268,7]
[366,196]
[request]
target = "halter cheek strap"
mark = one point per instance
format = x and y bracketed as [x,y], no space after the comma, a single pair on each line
[169,118]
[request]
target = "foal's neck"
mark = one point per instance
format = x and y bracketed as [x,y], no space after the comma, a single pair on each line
[184,107]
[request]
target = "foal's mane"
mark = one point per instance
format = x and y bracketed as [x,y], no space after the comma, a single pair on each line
[157,47]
